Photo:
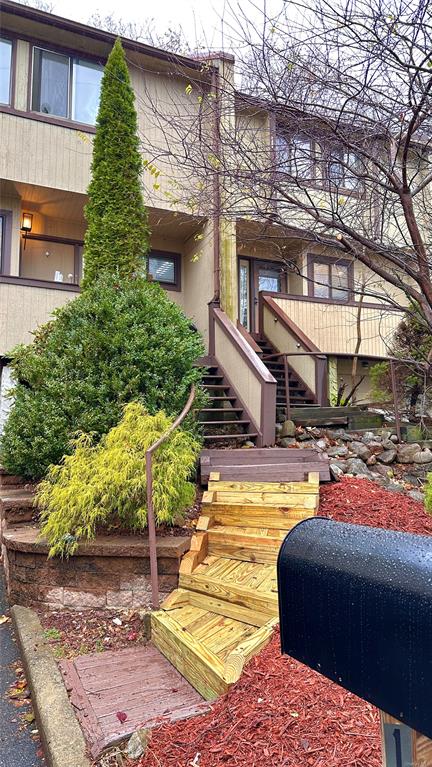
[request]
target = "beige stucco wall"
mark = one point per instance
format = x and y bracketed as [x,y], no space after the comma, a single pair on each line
[284,341]
[22,309]
[332,327]
[241,376]
[198,277]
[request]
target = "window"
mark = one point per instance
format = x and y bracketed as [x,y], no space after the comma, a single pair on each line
[330,279]
[165,268]
[343,168]
[244,293]
[65,87]
[5,240]
[295,155]
[5,71]
[48,259]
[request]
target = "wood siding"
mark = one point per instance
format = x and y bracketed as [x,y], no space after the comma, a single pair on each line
[332,327]
[23,308]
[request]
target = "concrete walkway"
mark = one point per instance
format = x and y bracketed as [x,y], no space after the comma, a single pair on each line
[17,749]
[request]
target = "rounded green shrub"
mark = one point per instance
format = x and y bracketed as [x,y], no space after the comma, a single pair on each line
[104,485]
[119,341]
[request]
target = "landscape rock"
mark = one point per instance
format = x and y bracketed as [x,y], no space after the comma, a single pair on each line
[341,434]
[248,443]
[387,456]
[387,444]
[368,436]
[339,451]
[406,453]
[394,438]
[287,442]
[358,467]
[336,470]
[322,444]
[416,495]
[395,487]
[138,743]
[362,451]
[424,456]
[343,465]
[288,429]
[302,437]
[383,470]
[371,461]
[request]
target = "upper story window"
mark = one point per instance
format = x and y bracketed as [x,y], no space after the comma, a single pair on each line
[343,169]
[295,155]
[5,70]
[65,87]
[330,279]
[165,268]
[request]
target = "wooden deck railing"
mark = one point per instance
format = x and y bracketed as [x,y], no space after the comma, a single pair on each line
[154,578]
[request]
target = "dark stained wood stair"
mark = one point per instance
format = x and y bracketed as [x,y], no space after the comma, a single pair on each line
[224,419]
[299,393]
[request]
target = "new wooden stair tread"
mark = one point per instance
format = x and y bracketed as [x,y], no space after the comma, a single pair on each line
[226,606]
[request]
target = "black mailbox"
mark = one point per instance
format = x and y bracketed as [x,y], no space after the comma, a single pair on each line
[355,604]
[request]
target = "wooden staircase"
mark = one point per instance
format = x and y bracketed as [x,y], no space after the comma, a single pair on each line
[224,419]
[226,607]
[300,394]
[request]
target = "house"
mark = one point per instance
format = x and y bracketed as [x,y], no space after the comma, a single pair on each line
[234,287]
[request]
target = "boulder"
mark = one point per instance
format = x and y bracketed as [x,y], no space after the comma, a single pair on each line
[358,467]
[340,434]
[322,444]
[336,470]
[288,429]
[339,451]
[425,456]
[368,436]
[138,743]
[387,444]
[340,464]
[395,487]
[406,453]
[286,442]
[416,495]
[362,451]
[371,461]
[387,456]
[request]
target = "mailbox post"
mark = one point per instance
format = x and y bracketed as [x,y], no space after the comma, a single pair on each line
[355,604]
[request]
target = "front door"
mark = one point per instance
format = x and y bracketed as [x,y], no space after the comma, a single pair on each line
[254,277]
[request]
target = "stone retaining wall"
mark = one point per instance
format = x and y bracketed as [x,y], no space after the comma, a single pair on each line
[111,572]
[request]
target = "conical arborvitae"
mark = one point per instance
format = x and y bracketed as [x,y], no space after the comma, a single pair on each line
[117,236]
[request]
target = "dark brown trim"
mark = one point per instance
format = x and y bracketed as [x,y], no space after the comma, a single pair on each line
[330,261]
[174,286]
[53,238]
[77,246]
[6,244]
[12,40]
[329,301]
[7,279]
[247,336]
[288,324]
[83,30]
[62,123]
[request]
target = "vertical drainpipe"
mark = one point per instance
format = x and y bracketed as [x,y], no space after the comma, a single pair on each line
[215,85]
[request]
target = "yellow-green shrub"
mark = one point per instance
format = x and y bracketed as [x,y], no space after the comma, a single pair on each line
[428,493]
[104,485]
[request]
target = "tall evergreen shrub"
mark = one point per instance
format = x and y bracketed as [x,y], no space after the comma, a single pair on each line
[117,236]
[119,341]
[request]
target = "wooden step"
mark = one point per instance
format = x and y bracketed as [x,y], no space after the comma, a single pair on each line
[247,544]
[262,500]
[209,649]
[226,410]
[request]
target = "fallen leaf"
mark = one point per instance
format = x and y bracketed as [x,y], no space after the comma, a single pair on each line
[132,636]
[121,716]
[29,717]
[4,619]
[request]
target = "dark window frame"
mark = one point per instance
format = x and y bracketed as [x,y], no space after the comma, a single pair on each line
[177,259]
[12,41]
[6,241]
[73,56]
[289,138]
[78,256]
[330,261]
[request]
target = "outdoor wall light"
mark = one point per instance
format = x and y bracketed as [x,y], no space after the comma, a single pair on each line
[27,222]
[26,225]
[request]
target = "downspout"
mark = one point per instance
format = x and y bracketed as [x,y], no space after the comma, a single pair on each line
[215,85]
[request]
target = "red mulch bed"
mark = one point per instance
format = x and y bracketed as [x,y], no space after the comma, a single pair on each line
[280,713]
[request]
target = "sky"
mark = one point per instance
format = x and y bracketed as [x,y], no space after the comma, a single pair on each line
[197,19]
